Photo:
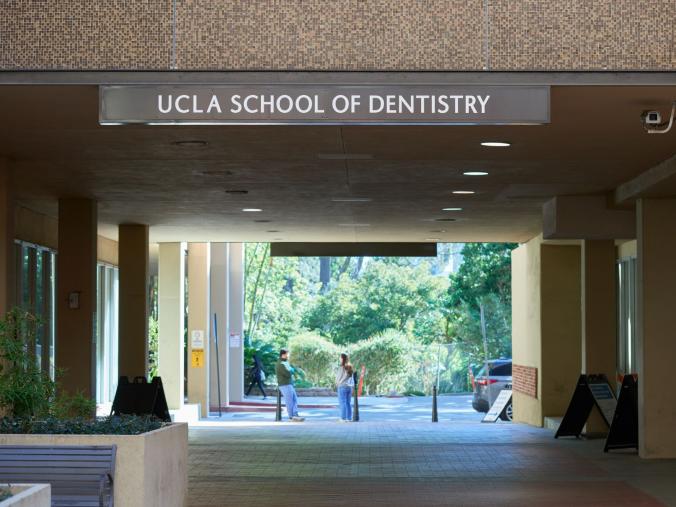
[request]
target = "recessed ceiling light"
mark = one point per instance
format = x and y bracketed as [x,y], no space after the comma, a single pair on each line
[463,192]
[251,210]
[495,144]
[262,221]
[444,219]
[278,239]
[190,143]
[354,225]
[437,231]
[351,199]
[475,173]
[451,209]
[271,231]
[431,239]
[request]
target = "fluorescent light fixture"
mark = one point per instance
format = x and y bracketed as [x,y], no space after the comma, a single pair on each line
[351,199]
[463,192]
[475,173]
[344,156]
[251,210]
[495,144]
[451,209]
[431,239]
[354,225]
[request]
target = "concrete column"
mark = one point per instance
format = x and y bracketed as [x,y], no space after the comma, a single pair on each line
[656,319]
[7,265]
[236,321]
[76,295]
[198,325]
[219,307]
[171,310]
[546,327]
[599,316]
[133,304]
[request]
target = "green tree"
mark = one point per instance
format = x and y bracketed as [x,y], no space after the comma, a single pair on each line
[483,280]
[385,296]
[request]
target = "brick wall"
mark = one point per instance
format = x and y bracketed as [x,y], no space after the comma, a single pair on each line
[404,35]
[525,380]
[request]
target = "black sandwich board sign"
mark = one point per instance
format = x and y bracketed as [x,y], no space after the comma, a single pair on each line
[141,398]
[591,390]
[623,432]
[499,405]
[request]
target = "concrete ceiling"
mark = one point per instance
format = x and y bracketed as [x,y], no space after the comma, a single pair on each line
[57,149]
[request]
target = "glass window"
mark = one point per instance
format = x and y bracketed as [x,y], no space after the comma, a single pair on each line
[106,332]
[35,291]
[626,313]
[502,370]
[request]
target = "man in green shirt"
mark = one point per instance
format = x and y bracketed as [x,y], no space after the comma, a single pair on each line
[285,373]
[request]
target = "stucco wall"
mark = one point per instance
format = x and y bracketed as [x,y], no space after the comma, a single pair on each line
[526,342]
[546,325]
[346,35]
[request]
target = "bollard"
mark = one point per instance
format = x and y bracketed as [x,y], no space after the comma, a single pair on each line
[278,414]
[355,412]
[435,414]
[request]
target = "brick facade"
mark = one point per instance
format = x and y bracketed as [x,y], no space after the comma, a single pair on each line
[525,380]
[364,35]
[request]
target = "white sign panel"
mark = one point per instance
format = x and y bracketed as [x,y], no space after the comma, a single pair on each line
[235,341]
[605,399]
[197,339]
[498,406]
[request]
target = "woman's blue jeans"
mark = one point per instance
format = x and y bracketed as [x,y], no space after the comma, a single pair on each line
[344,401]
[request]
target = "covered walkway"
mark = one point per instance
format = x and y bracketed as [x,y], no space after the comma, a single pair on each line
[322,464]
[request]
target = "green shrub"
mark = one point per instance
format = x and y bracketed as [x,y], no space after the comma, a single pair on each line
[113,425]
[153,348]
[5,493]
[25,390]
[387,357]
[316,356]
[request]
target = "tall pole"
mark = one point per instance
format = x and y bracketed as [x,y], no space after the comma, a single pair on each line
[218,366]
[483,332]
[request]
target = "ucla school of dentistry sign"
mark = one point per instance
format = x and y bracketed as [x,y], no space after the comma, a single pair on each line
[284,104]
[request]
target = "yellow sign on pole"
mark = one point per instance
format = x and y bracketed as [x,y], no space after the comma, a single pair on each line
[197,359]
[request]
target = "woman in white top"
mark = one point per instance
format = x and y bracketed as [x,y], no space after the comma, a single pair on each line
[344,385]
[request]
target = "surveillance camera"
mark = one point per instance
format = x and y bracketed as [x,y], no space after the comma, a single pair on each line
[652,117]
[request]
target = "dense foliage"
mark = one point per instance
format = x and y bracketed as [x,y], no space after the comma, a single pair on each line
[124,425]
[412,322]
[26,391]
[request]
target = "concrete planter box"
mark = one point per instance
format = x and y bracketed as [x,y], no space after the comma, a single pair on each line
[151,469]
[29,495]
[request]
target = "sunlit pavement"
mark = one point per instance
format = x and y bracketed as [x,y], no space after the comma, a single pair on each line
[386,460]
[371,408]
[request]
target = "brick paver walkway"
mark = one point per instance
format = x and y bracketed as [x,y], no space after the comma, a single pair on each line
[414,464]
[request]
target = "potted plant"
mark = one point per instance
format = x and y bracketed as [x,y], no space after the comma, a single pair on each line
[152,456]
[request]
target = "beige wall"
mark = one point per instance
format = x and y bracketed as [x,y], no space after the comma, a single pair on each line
[656,345]
[198,319]
[627,249]
[526,339]
[365,35]
[546,325]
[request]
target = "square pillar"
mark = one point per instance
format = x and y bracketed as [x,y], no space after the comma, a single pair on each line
[546,328]
[133,303]
[171,310]
[236,321]
[76,295]
[219,306]
[656,330]
[7,265]
[599,316]
[198,325]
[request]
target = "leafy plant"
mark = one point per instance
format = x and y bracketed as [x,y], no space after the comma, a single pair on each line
[316,356]
[5,493]
[387,360]
[153,348]
[113,425]
[25,390]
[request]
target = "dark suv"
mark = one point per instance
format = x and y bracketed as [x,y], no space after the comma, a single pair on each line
[487,387]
